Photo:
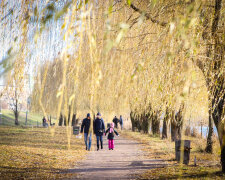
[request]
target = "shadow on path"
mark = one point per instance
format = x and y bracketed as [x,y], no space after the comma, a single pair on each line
[124,162]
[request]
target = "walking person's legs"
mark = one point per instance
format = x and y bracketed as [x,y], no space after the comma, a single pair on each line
[97,137]
[101,140]
[112,144]
[85,139]
[89,147]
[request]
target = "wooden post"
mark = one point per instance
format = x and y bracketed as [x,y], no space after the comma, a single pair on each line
[186,152]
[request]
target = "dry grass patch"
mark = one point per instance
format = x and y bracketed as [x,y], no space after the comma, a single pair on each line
[184,172]
[27,153]
[208,165]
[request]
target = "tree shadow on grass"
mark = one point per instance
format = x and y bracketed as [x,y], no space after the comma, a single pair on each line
[62,146]
[10,170]
[33,173]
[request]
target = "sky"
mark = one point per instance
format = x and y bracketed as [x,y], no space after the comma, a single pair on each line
[48,45]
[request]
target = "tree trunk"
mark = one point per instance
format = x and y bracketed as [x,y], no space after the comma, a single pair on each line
[208,148]
[155,125]
[179,121]
[137,123]
[215,78]
[16,118]
[132,120]
[164,131]
[74,120]
[221,133]
[218,104]
[68,122]
[179,130]
[223,158]
[177,124]
[174,131]
[60,120]
[145,123]
[65,121]
[165,122]
[218,101]
[16,113]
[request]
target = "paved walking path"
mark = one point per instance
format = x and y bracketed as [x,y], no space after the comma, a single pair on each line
[124,162]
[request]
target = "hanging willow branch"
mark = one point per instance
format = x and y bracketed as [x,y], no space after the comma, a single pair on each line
[148,17]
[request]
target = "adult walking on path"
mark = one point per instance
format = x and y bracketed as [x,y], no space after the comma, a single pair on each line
[99,129]
[124,162]
[115,121]
[85,126]
[121,122]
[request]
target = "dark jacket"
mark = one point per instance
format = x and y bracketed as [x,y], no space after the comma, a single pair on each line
[116,120]
[99,127]
[111,135]
[85,125]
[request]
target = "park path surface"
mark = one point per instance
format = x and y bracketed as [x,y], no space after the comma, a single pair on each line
[124,162]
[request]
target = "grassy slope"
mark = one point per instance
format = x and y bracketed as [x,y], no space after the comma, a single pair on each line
[37,153]
[32,119]
[208,165]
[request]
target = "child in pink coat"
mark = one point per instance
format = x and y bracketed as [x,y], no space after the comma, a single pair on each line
[111,132]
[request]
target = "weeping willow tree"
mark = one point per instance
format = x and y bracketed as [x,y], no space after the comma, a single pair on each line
[138,56]
[196,30]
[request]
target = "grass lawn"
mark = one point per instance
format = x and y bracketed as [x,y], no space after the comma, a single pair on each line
[32,118]
[37,153]
[208,165]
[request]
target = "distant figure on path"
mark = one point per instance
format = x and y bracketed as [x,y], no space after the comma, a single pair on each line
[85,126]
[99,129]
[44,122]
[111,132]
[121,122]
[115,121]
